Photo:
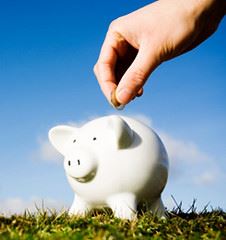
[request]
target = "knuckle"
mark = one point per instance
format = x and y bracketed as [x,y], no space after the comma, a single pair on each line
[139,78]
[115,34]
[95,69]
[116,25]
[113,25]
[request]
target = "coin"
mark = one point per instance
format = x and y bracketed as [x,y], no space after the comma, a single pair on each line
[115,103]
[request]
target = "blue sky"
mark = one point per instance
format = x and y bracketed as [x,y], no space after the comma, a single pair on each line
[47,53]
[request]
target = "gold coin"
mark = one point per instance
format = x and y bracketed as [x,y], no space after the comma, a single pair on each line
[115,102]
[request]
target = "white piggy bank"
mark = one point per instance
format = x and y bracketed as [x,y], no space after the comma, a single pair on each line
[113,161]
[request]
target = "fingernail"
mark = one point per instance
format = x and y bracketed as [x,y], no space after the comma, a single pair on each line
[123,95]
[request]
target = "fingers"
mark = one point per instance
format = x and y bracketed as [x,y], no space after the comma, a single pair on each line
[114,49]
[114,46]
[132,82]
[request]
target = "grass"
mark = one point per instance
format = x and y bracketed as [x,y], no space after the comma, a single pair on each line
[101,224]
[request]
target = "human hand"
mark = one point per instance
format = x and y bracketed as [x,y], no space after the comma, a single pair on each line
[137,43]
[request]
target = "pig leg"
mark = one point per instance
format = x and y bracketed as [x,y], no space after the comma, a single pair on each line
[124,205]
[157,208]
[79,207]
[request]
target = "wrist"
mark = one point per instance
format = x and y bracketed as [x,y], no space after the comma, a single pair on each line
[203,6]
[206,13]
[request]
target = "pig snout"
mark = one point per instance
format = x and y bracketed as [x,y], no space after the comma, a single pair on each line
[82,166]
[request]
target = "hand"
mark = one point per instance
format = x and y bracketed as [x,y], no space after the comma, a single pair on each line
[137,43]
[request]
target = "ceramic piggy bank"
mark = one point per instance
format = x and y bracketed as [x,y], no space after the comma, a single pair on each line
[113,161]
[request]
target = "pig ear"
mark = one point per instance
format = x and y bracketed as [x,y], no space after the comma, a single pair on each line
[59,135]
[122,132]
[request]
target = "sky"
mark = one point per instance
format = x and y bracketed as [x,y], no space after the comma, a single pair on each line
[47,53]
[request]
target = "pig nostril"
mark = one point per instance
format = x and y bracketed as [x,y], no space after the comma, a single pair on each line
[78,162]
[94,138]
[69,163]
[74,141]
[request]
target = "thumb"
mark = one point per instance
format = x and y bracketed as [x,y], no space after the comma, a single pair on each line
[136,75]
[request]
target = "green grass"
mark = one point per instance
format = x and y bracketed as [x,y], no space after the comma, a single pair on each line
[102,225]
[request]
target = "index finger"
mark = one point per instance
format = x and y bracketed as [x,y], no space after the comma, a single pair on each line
[105,66]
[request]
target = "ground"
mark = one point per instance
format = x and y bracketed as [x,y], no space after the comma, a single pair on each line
[102,225]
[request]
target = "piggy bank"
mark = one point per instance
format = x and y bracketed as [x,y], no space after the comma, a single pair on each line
[113,161]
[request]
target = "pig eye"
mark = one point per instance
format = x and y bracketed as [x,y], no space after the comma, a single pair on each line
[74,140]
[69,163]
[78,162]
[94,139]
